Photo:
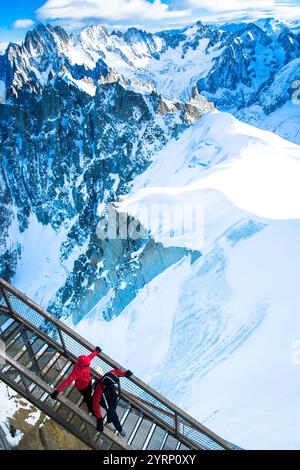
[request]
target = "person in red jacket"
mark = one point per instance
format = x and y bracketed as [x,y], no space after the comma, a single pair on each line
[105,395]
[81,374]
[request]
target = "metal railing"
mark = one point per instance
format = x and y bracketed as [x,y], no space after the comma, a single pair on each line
[37,391]
[141,396]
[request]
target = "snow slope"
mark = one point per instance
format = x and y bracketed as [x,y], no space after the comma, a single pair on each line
[228,319]
[41,271]
[284,121]
[218,160]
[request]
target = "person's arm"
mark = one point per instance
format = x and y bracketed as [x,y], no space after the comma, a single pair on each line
[92,355]
[120,373]
[96,401]
[68,381]
[95,353]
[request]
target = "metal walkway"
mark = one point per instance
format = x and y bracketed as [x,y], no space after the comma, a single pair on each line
[40,352]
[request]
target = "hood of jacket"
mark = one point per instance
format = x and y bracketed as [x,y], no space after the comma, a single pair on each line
[83,361]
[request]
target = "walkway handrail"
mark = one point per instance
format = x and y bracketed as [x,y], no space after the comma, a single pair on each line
[65,337]
[48,404]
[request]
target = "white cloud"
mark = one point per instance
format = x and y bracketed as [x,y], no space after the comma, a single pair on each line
[288,11]
[74,14]
[116,10]
[281,12]
[235,9]
[20,24]
[231,5]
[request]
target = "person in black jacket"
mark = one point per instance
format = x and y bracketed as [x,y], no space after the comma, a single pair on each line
[106,395]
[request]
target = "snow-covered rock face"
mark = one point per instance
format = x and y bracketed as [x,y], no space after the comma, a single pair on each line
[251,58]
[277,106]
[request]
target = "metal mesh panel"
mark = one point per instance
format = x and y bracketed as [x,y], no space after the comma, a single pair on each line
[194,435]
[34,317]
[73,346]
[25,311]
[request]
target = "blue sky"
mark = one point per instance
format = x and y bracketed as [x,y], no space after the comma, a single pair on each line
[20,15]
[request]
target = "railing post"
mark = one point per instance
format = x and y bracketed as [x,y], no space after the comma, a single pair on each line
[61,339]
[176,424]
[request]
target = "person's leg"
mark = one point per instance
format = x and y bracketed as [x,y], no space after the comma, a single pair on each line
[87,397]
[114,418]
[109,418]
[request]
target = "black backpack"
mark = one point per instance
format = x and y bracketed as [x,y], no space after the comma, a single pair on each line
[111,382]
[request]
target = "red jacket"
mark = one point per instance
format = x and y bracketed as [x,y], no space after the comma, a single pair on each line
[99,390]
[81,373]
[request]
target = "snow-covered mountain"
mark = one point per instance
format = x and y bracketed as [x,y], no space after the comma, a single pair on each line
[232,66]
[129,117]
